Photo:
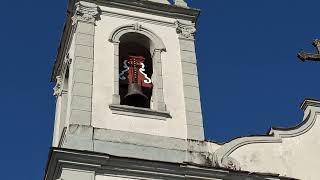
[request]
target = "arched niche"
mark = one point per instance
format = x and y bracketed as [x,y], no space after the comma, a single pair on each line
[137,34]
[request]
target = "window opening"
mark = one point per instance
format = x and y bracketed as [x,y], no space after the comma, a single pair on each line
[135,72]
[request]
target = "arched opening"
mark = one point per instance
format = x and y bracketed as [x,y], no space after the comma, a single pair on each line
[145,39]
[135,70]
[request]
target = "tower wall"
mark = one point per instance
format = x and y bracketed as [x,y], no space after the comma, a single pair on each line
[106,69]
[90,116]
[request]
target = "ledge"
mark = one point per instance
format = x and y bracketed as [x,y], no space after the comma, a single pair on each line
[139,112]
[309,102]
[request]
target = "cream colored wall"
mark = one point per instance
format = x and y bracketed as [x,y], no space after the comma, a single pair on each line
[296,157]
[100,177]
[57,122]
[103,78]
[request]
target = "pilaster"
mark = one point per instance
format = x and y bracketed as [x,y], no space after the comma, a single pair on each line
[158,82]
[79,133]
[186,31]
[116,96]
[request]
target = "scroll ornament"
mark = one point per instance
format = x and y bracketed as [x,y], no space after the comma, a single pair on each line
[58,89]
[86,12]
[185,30]
[231,163]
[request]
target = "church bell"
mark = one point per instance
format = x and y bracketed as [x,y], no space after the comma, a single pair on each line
[137,80]
[135,96]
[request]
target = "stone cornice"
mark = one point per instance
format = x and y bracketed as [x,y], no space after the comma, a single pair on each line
[97,162]
[309,102]
[144,6]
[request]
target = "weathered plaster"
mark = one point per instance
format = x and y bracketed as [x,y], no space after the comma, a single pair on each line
[291,152]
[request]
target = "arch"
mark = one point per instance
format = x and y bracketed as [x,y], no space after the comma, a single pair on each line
[156,48]
[137,28]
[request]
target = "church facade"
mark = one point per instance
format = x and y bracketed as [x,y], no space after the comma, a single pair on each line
[128,104]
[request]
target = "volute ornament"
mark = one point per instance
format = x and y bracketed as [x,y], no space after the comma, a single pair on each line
[86,12]
[227,162]
[186,31]
[231,163]
[58,89]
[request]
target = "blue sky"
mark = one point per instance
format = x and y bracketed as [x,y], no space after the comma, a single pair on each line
[250,77]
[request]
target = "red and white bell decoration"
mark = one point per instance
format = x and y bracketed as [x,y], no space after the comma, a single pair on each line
[134,75]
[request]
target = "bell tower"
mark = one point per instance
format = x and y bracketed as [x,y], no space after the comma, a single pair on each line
[126,86]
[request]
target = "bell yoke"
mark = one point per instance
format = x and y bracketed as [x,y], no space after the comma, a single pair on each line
[136,80]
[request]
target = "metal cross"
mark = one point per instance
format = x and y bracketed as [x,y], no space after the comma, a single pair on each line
[311,57]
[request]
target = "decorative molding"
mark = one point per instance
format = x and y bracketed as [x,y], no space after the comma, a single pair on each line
[148,7]
[132,168]
[309,102]
[311,110]
[300,129]
[222,158]
[158,99]
[186,31]
[138,18]
[86,12]
[58,89]
[231,163]
[139,112]
[275,135]
[138,28]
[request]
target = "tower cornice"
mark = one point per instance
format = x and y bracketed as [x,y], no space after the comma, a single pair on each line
[149,7]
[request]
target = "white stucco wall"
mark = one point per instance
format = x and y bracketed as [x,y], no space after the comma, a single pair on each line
[101,177]
[103,77]
[296,157]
